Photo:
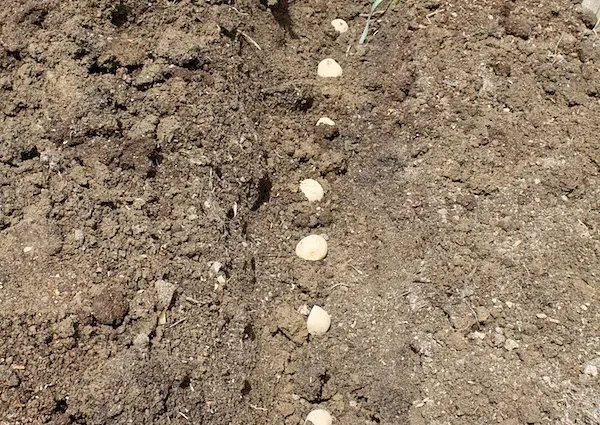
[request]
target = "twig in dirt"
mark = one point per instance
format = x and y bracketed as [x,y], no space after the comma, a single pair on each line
[463,299]
[472,272]
[360,272]
[241,13]
[474,313]
[250,40]
[557,44]
[555,54]
[184,416]
[180,321]
[421,280]
[336,285]
[262,409]
[192,300]
[429,15]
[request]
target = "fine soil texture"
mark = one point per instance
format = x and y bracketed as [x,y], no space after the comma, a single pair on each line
[150,160]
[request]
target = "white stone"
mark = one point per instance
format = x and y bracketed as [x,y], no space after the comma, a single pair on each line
[319,417]
[591,367]
[215,267]
[510,345]
[312,189]
[591,5]
[329,68]
[79,236]
[339,25]
[164,293]
[325,121]
[477,335]
[318,322]
[591,370]
[312,248]
[27,249]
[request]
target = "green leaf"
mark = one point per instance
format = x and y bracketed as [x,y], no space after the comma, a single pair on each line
[365,33]
[375,5]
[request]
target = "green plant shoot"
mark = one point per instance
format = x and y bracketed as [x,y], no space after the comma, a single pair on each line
[365,33]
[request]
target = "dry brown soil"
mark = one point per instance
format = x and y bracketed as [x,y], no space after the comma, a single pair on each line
[143,141]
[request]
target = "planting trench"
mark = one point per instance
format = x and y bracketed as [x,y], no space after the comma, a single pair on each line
[150,161]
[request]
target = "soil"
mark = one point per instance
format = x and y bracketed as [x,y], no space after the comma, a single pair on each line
[150,154]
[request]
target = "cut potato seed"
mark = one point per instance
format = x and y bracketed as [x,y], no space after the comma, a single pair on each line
[329,68]
[318,322]
[312,189]
[339,25]
[312,248]
[318,417]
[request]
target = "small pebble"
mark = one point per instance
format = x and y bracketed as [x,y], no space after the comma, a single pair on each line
[312,248]
[304,310]
[498,339]
[162,318]
[141,341]
[339,25]
[329,68]
[319,417]
[164,293]
[591,370]
[27,249]
[110,307]
[591,367]
[483,314]
[325,121]
[477,335]
[318,321]
[79,236]
[541,316]
[312,189]
[215,267]
[510,345]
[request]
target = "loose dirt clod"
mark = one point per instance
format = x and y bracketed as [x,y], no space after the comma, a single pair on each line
[318,321]
[339,25]
[312,248]
[312,189]
[110,307]
[319,417]
[329,68]
[291,324]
